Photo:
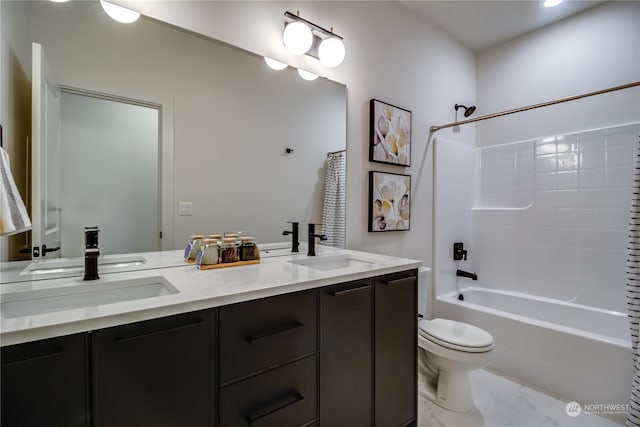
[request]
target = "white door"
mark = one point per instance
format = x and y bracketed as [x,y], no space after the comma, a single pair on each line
[45,157]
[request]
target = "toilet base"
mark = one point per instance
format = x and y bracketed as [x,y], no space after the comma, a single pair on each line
[454,391]
[451,390]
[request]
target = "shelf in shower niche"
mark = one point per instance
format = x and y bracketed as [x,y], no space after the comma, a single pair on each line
[501,208]
[229,264]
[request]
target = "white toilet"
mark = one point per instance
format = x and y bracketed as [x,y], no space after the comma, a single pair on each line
[448,350]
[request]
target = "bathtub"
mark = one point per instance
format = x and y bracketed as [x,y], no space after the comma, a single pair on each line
[570,351]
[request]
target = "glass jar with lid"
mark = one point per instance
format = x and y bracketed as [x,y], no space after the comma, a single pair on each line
[229,250]
[209,253]
[193,247]
[248,249]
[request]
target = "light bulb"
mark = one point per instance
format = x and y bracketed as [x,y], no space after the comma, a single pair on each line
[331,52]
[297,37]
[307,75]
[273,64]
[119,13]
[552,3]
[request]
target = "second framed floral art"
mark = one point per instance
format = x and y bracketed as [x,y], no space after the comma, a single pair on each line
[389,201]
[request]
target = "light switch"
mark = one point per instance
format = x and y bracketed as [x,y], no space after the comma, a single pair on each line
[185,208]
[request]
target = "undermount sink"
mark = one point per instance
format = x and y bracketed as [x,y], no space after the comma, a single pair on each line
[333,262]
[76,265]
[82,295]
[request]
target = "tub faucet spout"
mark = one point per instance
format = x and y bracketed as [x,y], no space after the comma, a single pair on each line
[472,276]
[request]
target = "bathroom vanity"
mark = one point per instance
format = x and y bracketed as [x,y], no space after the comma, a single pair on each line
[293,341]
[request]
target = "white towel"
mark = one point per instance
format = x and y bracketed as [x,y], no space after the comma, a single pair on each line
[13,214]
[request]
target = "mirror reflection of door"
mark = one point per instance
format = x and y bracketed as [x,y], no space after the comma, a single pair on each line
[45,159]
[110,173]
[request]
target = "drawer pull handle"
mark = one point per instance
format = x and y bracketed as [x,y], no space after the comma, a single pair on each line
[277,405]
[126,338]
[401,281]
[33,358]
[350,290]
[274,331]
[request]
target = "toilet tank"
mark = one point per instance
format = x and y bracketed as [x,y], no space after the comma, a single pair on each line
[425,294]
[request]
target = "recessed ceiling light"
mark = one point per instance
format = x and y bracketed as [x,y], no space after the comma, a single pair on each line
[551,3]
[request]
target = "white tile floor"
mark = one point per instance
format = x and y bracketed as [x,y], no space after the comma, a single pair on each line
[504,403]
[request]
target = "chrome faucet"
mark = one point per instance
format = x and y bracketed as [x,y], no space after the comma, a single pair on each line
[472,276]
[295,243]
[91,252]
[312,239]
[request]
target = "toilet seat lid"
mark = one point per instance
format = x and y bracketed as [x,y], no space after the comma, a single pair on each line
[456,334]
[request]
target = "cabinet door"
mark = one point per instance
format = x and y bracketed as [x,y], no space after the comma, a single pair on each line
[395,337]
[44,383]
[346,362]
[156,373]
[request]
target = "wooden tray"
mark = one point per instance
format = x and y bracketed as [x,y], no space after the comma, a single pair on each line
[228,264]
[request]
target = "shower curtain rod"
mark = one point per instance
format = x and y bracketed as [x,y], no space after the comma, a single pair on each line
[433,129]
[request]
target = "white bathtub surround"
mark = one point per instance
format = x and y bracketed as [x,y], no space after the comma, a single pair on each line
[633,293]
[501,402]
[545,219]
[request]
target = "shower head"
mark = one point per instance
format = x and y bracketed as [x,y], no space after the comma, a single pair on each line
[467,110]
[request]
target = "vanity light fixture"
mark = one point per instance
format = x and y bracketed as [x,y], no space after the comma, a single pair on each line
[307,75]
[304,37]
[119,13]
[275,65]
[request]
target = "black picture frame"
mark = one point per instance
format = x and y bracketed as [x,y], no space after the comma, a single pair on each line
[389,134]
[389,202]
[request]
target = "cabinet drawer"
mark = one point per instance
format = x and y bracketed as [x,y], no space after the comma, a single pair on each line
[282,397]
[258,335]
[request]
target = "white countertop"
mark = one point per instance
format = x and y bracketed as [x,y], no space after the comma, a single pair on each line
[198,289]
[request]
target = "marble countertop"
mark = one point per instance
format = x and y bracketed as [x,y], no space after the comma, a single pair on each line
[198,289]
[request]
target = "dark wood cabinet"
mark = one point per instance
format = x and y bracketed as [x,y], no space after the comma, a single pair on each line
[44,383]
[346,358]
[285,396]
[269,361]
[258,335]
[341,355]
[395,338]
[156,373]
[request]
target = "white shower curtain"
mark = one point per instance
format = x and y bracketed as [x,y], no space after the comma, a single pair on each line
[633,293]
[333,209]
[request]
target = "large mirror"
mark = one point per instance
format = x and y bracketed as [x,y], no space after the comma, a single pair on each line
[240,146]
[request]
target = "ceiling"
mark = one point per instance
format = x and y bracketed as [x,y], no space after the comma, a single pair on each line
[481,24]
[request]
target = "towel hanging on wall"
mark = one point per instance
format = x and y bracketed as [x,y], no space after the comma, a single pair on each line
[13,213]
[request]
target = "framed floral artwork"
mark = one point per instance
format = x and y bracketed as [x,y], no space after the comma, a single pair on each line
[389,201]
[389,134]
